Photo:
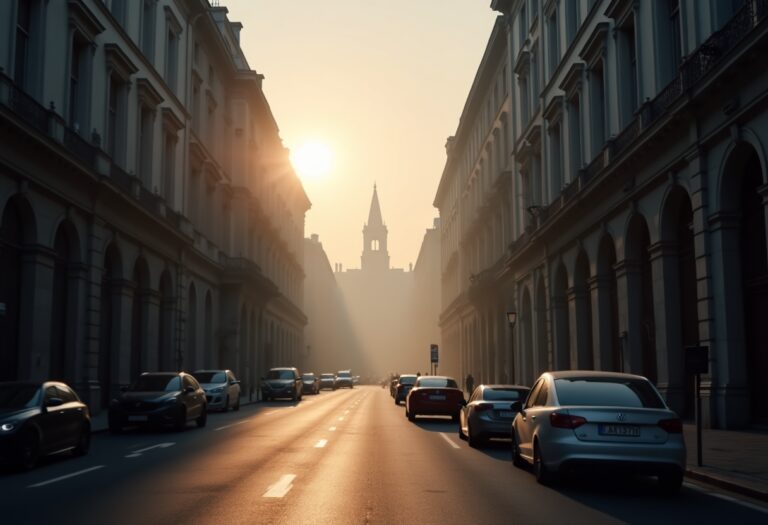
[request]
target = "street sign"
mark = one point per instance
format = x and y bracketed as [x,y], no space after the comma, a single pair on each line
[697,359]
[433,353]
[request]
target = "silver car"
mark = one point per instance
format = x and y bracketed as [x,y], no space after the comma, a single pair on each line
[595,420]
[222,389]
[489,413]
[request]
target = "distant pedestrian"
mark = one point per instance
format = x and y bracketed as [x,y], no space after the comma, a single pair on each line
[469,383]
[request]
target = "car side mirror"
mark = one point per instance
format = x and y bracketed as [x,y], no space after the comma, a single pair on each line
[463,402]
[517,406]
[189,389]
[234,382]
[54,402]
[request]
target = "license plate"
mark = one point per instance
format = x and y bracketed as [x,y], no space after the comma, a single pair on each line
[618,430]
[137,418]
[437,398]
[506,413]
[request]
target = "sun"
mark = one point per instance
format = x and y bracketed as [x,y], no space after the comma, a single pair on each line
[312,160]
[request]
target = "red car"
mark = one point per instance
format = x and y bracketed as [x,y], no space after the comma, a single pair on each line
[434,396]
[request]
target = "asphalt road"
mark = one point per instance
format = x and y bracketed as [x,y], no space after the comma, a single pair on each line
[349,456]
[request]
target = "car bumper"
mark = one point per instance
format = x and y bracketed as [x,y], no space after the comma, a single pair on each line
[648,458]
[277,393]
[161,416]
[343,384]
[216,401]
[497,428]
[308,389]
[10,449]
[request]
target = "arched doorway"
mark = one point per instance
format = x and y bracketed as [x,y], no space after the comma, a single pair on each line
[16,228]
[562,329]
[209,351]
[642,325]
[583,310]
[608,305]
[139,313]
[165,346]
[108,307]
[63,311]
[526,347]
[190,360]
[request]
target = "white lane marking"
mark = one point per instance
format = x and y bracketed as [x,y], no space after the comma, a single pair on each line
[281,488]
[449,440]
[332,429]
[137,453]
[270,413]
[54,480]
[321,443]
[346,412]
[341,419]
[232,425]
[730,499]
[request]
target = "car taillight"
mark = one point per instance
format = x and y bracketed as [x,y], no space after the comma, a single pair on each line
[671,426]
[482,407]
[560,420]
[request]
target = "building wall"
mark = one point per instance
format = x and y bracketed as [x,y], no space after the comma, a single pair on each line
[150,216]
[637,204]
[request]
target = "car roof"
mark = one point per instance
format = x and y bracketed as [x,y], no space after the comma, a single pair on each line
[168,374]
[505,387]
[283,368]
[570,374]
[211,370]
[449,378]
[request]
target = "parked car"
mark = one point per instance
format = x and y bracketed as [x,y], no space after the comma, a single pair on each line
[393,385]
[434,396]
[159,399]
[344,379]
[281,382]
[585,419]
[327,381]
[222,389]
[489,413]
[41,418]
[404,384]
[310,383]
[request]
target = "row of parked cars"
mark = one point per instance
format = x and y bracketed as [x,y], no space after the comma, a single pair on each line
[568,421]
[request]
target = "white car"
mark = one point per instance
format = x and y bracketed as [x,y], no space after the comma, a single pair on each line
[222,389]
[592,420]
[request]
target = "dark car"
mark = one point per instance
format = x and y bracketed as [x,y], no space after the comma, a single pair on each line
[158,399]
[404,384]
[328,380]
[489,413]
[310,383]
[434,396]
[281,382]
[344,379]
[37,419]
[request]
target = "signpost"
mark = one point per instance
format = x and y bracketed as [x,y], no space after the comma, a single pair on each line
[697,362]
[433,358]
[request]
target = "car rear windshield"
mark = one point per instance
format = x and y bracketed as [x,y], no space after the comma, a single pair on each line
[504,394]
[407,380]
[280,374]
[437,382]
[157,384]
[602,391]
[19,396]
[308,376]
[326,376]
[211,377]
[345,375]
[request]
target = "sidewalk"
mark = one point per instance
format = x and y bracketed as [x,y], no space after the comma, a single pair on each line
[735,460]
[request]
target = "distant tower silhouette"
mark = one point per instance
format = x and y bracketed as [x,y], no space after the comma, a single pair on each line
[375,255]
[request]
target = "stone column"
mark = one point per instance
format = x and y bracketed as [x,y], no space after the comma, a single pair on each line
[580,325]
[122,292]
[151,308]
[666,308]
[629,291]
[37,264]
[602,329]
[77,355]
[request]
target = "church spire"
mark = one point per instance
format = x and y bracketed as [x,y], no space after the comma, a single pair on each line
[374,216]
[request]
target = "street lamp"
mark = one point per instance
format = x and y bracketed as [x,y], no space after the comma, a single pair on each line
[512,318]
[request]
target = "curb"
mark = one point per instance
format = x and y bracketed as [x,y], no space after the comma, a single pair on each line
[727,484]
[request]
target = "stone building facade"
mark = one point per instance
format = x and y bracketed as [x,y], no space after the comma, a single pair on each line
[608,183]
[150,218]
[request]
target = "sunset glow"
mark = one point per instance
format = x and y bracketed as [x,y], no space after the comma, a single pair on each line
[312,160]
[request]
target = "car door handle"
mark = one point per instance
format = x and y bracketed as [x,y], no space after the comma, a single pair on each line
[533,417]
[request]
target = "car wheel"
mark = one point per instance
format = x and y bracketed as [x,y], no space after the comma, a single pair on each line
[203,418]
[517,459]
[455,418]
[181,419]
[461,433]
[670,482]
[410,415]
[226,404]
[543,475]
[83,441]
[29,452]
[237,404]
[473,440]
[397,402]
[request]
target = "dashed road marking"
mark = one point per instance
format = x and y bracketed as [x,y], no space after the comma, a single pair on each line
[449,440]
[137,453]
[341,419]
[281,487]
[725,497]
[232,425]
[321,443]
[67,476]
[332,429]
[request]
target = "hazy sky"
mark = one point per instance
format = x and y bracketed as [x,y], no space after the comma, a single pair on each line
[382,83]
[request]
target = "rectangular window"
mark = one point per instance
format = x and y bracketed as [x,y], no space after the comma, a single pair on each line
[146,153]
[555,160]
[23,29]
[571,20]
[673,7]
[148,29]
[553,42]
[574,125]
[523,26]
[628,71]
[76,85]
[113,115]
[117,8]
[169,164]
[171,58]
[597,90]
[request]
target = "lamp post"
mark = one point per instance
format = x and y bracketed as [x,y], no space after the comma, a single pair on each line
[512,319]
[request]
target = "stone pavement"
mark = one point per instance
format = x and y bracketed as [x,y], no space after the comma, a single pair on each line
[735,460]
